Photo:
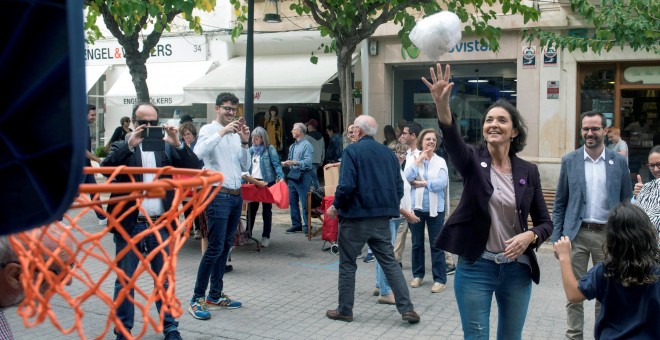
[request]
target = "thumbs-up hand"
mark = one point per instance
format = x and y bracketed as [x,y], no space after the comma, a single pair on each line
[638,185]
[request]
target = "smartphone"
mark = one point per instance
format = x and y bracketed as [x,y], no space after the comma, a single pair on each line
[153,138]
[241,122]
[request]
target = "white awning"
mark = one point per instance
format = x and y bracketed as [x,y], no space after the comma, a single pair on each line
[277,79]
[93,73]
[165,82]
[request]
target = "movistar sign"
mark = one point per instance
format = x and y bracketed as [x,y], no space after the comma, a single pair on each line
[470,46]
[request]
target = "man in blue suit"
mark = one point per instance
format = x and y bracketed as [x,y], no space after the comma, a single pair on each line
[593,179]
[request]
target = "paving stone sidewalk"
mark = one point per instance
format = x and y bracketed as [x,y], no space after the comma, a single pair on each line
[287,287]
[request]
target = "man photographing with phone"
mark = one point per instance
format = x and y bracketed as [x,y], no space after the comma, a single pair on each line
[223,146]
[146,148]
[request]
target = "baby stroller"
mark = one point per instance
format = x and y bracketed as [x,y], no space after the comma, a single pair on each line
[330,228]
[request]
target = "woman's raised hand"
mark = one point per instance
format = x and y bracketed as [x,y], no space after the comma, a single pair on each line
[440,88]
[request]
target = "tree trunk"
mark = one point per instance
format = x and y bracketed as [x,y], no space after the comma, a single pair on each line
[344,68]
[138,71]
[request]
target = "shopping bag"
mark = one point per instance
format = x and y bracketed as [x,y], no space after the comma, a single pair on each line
[277,194]
[330,227]
[280,193]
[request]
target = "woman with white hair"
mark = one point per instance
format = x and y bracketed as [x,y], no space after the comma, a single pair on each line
[265,170]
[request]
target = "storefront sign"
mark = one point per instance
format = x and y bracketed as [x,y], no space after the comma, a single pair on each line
[161,101]
[470,46]
[644,74]
[167,50]
[553,89]
[529,57]
[549,56]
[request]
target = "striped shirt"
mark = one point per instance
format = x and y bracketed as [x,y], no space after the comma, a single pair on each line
[5,332]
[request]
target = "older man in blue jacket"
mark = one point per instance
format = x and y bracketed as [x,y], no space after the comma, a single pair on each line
[367,196]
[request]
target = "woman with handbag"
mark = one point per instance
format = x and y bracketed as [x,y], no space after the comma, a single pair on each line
[265,170]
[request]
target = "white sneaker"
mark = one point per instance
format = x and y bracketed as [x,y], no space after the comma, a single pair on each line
[437,287]
[265,241]
[103,221]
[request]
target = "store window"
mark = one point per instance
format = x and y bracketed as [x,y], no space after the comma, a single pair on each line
[596,93]
[629,96]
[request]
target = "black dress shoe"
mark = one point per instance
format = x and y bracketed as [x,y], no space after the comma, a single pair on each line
[411,317]
[334,315]
[294,230]
[229,268]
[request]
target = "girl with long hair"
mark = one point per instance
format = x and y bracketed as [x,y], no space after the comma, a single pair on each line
[626,283]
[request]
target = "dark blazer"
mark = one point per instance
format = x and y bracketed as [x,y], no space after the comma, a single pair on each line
[121,155]
[466,230]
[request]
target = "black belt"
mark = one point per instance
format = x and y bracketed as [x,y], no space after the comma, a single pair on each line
[234,192]
[144,219]
[592,226]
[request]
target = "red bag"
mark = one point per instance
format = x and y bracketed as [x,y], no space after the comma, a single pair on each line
[277,194]
[280,193]
[330,227]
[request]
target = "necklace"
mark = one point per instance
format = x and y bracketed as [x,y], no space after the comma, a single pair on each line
[501,197]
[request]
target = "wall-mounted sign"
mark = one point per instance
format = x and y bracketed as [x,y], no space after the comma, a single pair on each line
[529,57]
[642,74]
[549,56]
[108,52]
[553,89]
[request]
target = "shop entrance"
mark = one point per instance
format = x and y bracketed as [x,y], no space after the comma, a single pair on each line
[628,94]
[640,127]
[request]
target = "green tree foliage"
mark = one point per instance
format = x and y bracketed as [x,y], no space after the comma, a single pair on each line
[348,22]
[634,23]
[138,26]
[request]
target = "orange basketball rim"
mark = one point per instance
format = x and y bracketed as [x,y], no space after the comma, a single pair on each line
[71,268]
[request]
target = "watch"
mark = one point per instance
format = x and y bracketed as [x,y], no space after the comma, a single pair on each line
[536,238]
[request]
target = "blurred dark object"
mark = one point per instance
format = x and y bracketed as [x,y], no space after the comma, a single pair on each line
[41,171]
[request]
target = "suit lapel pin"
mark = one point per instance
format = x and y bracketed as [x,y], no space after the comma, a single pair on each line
[611,162]
[522,181]
[483,164]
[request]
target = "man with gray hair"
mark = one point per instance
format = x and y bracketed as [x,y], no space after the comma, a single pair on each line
[366,204]
[299,177]
[10,271]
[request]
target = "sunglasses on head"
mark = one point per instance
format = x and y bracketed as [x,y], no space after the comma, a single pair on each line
[148,122]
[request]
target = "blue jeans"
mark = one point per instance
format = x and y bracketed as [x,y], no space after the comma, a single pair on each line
[224,213]
[381,281]
[89,179]
[474,285]
[298,192]
[438,265]
[129,263]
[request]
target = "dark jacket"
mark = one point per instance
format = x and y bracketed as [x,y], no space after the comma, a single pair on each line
[334,149]
[466,231]
[121,155]
[370,183]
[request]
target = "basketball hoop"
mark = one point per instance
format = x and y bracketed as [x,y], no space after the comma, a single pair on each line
[70,248]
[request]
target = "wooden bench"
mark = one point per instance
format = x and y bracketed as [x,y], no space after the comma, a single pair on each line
[549,196]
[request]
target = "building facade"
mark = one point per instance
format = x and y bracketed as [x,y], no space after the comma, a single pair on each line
[550,88]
